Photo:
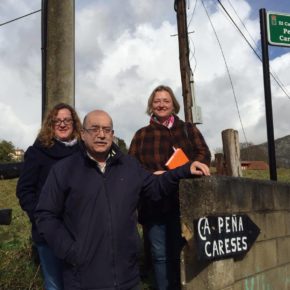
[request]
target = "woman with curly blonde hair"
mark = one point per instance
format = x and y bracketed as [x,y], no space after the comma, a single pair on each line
[153,145]
[58,138]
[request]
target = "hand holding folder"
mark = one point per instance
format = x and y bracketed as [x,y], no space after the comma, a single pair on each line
[178,158]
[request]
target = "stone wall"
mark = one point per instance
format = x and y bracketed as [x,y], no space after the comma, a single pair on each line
[267,264]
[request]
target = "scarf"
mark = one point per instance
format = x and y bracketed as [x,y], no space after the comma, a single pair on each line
[167,123]
[68,143]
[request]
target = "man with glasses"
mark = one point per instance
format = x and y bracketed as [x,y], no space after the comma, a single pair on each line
[87,209]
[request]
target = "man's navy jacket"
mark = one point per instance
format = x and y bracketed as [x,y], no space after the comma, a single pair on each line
[89,219]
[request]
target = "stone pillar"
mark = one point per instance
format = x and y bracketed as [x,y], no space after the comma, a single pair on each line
[200,198]
[58,53]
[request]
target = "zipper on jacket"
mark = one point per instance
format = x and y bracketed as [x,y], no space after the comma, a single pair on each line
[116,285]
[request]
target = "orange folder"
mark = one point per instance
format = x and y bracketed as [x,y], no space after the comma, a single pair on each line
[178,158]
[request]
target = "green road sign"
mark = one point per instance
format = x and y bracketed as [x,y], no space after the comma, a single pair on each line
[278,28]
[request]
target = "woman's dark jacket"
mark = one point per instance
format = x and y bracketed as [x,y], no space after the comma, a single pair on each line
[89,218]
[37,163]
[152,146]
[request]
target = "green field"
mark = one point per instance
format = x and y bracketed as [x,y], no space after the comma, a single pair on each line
[17,270]
[283,175]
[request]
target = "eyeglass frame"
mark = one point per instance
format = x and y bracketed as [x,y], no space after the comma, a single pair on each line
[65,121]
[94,131]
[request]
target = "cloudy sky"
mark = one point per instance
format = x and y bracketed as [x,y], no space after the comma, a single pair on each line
[124,49]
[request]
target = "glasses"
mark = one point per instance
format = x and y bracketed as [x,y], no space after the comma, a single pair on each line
[66,121]
[96,130]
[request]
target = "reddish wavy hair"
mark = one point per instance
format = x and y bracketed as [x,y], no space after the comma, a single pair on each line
[46,134]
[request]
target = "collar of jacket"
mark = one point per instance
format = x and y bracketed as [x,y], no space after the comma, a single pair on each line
[57,150]
[160,126]
[114,155]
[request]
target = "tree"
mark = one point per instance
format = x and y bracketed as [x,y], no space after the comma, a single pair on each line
[6,151]
[254,152]
[121,143]
[245,145]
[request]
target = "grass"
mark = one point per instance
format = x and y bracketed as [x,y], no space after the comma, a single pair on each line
[17,269]
[283,175]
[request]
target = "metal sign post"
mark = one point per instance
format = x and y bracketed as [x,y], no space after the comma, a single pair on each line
[268,97]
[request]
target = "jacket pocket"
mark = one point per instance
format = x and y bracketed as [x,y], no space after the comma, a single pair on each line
[72,255]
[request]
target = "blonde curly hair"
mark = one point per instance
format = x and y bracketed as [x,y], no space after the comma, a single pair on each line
[46,134]
[161,88]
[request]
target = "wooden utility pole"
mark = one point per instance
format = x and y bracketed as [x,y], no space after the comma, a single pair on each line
[180,8]
[58,53]
[231,147]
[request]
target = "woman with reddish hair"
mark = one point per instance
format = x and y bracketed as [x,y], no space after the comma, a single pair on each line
[58,138]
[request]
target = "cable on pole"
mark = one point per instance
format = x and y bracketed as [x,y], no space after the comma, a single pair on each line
[278,82]
[228,71]
[7,22]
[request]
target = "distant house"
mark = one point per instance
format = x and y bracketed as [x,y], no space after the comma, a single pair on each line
[17,155]
[254,165]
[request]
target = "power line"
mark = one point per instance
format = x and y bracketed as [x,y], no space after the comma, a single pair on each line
[274,75]
[228,71]
[244,26]
[193,11]
[276,78]
[192,51]
[193,56]
[4,23]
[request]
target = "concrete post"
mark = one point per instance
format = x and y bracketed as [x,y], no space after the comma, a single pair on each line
[58,53]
